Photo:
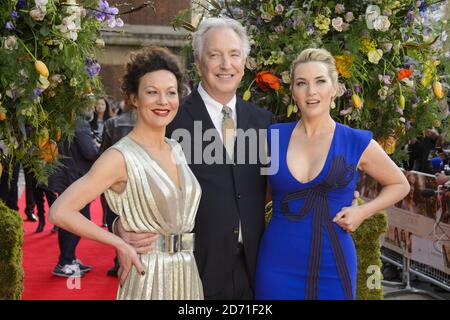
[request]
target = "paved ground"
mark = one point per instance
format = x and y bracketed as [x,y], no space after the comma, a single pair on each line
[421,285]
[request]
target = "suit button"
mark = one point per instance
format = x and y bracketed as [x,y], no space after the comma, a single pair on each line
[239,196]
[236,230]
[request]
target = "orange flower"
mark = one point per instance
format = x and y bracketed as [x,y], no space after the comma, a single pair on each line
[48,151]
[404,73]
[266,80]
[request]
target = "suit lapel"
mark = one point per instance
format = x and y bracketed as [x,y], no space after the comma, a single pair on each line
[197,110]
[243,114]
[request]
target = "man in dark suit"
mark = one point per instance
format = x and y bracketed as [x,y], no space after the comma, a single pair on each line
[230,218]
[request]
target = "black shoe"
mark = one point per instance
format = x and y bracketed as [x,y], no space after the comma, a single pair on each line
[82,267]
[41,226]
[113,271]
[31,217]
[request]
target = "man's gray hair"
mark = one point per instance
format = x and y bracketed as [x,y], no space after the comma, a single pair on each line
[198,37]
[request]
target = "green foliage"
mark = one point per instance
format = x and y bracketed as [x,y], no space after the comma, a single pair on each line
[408,35]
[36,109]
[367,243]
[11,238]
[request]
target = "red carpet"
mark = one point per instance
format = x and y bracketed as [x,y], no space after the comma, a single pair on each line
[40,254]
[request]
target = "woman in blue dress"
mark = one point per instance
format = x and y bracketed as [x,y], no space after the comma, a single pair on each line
[307,251]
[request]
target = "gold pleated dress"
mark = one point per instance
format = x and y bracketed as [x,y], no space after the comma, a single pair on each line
[151,202]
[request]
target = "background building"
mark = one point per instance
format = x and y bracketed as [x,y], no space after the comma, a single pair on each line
[144,27]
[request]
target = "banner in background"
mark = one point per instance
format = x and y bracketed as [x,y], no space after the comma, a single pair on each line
[420,225]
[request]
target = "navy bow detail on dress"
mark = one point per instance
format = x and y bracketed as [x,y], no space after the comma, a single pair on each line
[339,175]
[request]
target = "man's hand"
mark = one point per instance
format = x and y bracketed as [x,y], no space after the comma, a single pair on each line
[142,242]
[441,178]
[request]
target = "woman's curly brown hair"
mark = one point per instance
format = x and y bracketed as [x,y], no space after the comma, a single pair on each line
[147,60]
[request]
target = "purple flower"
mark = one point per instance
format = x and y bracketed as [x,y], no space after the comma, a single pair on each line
[310,29]
[92,67]
[296,21]
[358,88]
[100,16]
[112,11]
[279,9]
[14,14]
[111,22]
[408,125]
[103,5]
[423,6]
[9,25]
[21,4]
[348,93]
[410,16]
[119,22]
[37,92]
[279,29]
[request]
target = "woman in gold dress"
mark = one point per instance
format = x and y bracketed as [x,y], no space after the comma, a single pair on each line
[148,183]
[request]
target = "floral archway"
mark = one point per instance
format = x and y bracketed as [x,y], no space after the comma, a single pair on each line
[390,55]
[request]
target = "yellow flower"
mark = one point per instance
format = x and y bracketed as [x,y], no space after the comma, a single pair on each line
[367,44]
[357,102]
[437,89]
[429,71]
[41,68]
[343,64]
[2,116]
[402,102]
[322,23]
[388,144]
[247,95]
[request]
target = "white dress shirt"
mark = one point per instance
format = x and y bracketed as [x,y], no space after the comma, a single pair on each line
[215,109]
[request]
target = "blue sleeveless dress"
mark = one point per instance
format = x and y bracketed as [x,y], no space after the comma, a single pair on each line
[303,254]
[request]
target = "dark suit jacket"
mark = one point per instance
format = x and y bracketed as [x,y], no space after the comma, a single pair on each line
[229,192]
[77,157]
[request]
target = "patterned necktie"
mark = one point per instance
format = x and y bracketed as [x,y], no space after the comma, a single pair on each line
[228,130]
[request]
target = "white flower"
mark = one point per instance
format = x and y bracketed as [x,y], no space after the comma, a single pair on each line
[387,12]
[341,89]
[10,43]
[340,8]
[387,46]
[40,3]
[375,55]
[266,17]
[69,27]
[286,77]
[251,63]
[337,23]
[408,82]
[23,73]
[382,23]
[38,14]
[372,13]
[383,92]
[43,83]
[349,17]
[100,43]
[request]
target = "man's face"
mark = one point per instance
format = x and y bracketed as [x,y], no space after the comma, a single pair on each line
[221,64]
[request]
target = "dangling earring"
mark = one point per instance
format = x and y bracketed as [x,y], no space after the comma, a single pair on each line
[332,105]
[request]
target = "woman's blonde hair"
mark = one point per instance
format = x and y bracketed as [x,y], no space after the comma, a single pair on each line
[316,55]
